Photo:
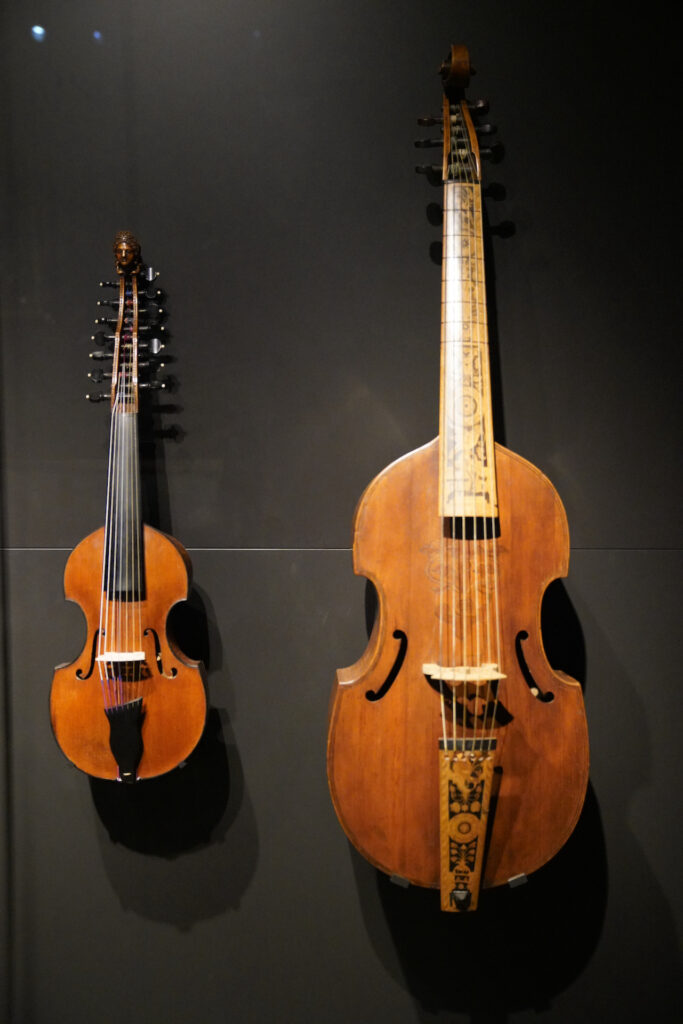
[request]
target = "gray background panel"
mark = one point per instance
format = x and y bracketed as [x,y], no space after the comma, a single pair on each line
[263,153]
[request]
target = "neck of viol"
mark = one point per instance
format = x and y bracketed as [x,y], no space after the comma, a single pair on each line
[467,484]
[123,576]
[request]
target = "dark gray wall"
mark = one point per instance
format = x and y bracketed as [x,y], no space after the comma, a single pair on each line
[263,153]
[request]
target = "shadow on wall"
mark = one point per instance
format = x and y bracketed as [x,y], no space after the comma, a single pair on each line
[520,949]
[162,843]
[183,847]
[522,946]
[525,946]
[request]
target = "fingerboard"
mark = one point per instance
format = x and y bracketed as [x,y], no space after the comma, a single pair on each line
[467,482]
[123,574]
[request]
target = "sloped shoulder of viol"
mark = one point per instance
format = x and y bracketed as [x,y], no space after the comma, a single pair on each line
[395,482]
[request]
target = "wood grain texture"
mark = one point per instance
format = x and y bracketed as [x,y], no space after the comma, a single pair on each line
[382,763]
[174,708]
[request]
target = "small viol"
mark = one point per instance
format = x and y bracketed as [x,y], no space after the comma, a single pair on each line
[131,706]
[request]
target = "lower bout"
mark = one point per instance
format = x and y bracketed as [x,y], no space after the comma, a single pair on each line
[386,795]
[170,723]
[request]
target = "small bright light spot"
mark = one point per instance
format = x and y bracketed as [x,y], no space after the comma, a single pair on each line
[38,33]
[97,36]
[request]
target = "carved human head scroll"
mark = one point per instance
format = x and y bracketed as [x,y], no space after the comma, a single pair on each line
[127,253]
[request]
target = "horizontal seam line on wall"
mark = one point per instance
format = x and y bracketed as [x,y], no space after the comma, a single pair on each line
[193,549]
[9,549]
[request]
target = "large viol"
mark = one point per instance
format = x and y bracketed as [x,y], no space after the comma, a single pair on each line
[131,706]
[457,757]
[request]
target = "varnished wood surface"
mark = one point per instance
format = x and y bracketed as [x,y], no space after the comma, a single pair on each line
[382,762]
[174,708]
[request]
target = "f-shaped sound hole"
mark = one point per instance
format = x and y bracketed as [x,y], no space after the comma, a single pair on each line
[86,675]
[157,652]
[399,635]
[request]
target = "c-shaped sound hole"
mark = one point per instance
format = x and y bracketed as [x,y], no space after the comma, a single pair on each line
[535,689]
[373,695]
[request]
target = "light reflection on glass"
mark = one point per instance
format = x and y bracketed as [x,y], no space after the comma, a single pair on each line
[38,33]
